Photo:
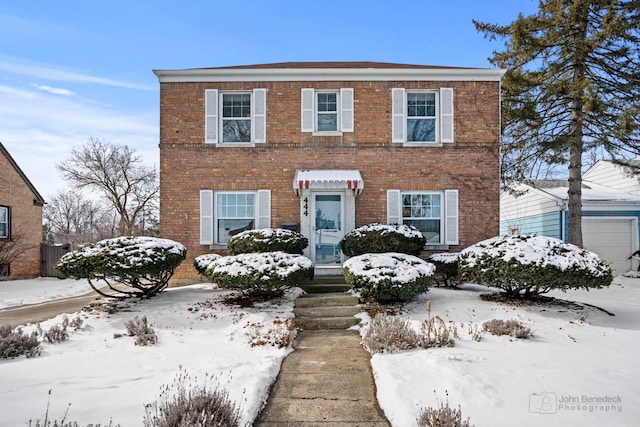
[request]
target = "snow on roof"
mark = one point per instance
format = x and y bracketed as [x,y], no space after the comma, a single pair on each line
[590,191]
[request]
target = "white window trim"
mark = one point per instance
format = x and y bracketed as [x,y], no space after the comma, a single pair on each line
[8,222]
[216,237]
[214,119]
[449,213]
[344,111]
[318,113]
[209,214]
[441,218]
[444,117]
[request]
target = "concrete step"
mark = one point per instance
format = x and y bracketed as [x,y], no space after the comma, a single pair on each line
[319,300]
[325,288]
[315,323]
[328,279]
[327,311]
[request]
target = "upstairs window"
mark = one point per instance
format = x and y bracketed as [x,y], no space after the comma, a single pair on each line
[327,111]
[235,117]
[422,116]
[4,222]
[327,108]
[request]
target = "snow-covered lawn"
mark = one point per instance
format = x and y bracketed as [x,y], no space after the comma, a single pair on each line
[106,378]
[581,368]
[500,381]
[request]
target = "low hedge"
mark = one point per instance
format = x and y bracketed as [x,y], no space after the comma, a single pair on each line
[528,265]
[267,240]
[202,262]
[446,264]
[381,238]
[266,274]
[388,277]
[141,266]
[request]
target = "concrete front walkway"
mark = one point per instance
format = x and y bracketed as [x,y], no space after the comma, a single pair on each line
[327,381]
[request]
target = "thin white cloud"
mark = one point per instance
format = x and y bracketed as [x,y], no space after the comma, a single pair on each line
[8,90]
[40,128]
[53,90]
[49,72]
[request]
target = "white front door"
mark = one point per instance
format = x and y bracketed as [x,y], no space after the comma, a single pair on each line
[327,221]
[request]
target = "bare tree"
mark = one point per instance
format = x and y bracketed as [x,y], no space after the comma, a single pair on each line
[116,171]
[71,218]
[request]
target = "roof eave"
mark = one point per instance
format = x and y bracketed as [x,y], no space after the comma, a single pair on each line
[38,199]
[328,74]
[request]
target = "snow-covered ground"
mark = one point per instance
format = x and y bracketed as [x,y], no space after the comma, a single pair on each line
[580,368]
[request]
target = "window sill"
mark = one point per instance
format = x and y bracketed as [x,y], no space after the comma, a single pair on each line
[235,144]
[336,133]
[419,144]
[435,248]
[218,247]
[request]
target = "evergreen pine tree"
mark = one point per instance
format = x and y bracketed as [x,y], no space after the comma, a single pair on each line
[572,88]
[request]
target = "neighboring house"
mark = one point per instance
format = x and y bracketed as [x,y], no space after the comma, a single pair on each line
[610,211]
[324,147]
[20,219]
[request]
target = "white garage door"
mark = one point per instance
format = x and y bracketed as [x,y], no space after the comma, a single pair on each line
[613,238]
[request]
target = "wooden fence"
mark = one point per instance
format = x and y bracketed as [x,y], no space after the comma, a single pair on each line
[49,255]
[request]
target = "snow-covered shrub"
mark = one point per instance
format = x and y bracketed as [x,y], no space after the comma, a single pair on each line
[56,334]
[267,240]
[139,327]
[183,404]
[201,263]
[388,277]
[143,264]
[389,334]
[59,333]
[14,343]
[446,268]
[529,265]
[510,327]
[378,238]
[264,275]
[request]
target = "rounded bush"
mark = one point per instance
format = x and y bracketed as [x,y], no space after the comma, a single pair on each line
[381,238]
[528,265]
[446,264]
[267,240]
[265,273]
[388,277]
[201,263]
[144,264]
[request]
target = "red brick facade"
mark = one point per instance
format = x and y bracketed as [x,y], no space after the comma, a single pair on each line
[24,205]
[470,164]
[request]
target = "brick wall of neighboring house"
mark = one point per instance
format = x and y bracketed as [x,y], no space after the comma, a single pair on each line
[26,219]
[187,165]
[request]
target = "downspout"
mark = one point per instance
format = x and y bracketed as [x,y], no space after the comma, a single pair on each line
[563,221]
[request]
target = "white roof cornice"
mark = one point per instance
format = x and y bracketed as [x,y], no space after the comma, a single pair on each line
[327,74]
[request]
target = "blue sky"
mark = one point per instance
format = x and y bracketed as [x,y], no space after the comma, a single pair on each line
[73,70]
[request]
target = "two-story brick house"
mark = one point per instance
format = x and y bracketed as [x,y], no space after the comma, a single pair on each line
[20,220]
[326,147]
